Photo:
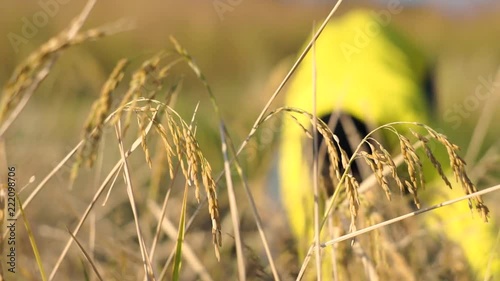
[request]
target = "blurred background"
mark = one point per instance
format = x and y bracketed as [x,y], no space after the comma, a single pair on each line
[237,47]
[244,49]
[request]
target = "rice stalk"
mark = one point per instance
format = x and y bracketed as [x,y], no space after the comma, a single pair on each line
[406,216]
[93,128]
[223,133]
[139,80]
[379,160]
[458,167]
[240,259]
[45,55]
[30,73]
[144,145]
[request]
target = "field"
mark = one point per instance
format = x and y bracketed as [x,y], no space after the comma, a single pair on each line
[212,63]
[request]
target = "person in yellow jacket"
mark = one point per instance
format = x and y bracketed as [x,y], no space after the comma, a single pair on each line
[368,72]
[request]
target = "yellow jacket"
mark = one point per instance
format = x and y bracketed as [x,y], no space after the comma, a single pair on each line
[366,69]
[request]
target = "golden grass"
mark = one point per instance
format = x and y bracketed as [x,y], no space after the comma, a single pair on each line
[380,159]
[178,152]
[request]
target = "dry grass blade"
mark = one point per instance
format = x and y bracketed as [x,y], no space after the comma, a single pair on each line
[87,256]
[44,181]
[368,264]
[189,60]
[180,238]
[255,212]
[91,205]
[101,31]
[112,174]
[262,114]
[160,219]
[403,217]
[34,246]
[302,271]
[163,212]
[148,268]
[111,185]
[188,253]
[94,125]
[233,208]
[315,173]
